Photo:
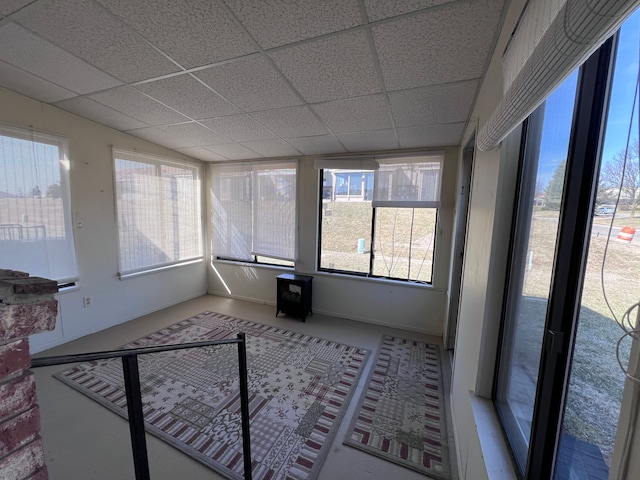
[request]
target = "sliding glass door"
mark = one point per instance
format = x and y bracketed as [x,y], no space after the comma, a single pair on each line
[559,162]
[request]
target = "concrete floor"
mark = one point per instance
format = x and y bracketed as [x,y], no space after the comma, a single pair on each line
[84,440]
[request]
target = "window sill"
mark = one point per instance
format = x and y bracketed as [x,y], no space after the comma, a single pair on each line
[69,289]
[495,452]
[240,263]
[127,276]
[384,281]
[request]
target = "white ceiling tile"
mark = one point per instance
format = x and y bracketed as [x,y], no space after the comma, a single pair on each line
[252,84]
[27,84]
[441,45]
[339,66]
[355,114]
[239,128]
[274,22]
[201,153]
[191,32]
[369,141]
[291,122]
[432,105]
[194,134]
[377,10]
[190,97]
[272,148]
[431,136]
[323,144]
[30,52]
[7,7]
[233,151]
[97,112]
[159,137]
[85,29]
[137,105]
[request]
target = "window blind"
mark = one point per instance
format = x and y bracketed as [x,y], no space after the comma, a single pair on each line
[158,201]
[346,163]
[253,209]
[553,38]
[274,220]
[36,233]
[415,183]
[231,208]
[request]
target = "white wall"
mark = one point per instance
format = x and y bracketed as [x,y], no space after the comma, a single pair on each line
[481,449]
[92,198]
[413,307]
[484,273]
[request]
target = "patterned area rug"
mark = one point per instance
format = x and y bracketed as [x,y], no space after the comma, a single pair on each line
[400,416]
[299,389]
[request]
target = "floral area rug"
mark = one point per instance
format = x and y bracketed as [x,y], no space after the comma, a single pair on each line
[400,415]
[299,389]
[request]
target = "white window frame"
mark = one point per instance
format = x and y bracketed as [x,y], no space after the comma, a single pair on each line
[68,274]
[196,252]
[250,252]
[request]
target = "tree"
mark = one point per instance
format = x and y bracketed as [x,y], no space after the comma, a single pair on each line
[627,161]
[35,192]
[555,187]
[54,191]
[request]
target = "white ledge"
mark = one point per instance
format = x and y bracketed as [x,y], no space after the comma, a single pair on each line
[495,452]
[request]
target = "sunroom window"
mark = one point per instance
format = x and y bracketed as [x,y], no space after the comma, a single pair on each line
[158,201]
[253,208]
[36,232]
[380,220]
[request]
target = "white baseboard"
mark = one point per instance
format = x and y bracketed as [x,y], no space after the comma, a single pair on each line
[329,313]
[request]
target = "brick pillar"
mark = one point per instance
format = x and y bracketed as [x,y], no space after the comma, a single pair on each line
[27,306]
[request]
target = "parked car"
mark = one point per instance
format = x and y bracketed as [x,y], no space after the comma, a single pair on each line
[605,210]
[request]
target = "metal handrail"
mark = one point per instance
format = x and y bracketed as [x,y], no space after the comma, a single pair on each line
[134,397]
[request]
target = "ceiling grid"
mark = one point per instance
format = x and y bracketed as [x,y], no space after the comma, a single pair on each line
[238,79]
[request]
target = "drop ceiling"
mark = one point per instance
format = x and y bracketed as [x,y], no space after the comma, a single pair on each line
[245,79]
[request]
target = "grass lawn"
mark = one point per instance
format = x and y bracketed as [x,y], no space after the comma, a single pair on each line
[404,240]
[596,381]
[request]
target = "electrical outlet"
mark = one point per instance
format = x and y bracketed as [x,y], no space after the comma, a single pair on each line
[87,302]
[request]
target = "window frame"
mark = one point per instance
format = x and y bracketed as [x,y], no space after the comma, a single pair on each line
[583,162]
[343,164]
[158,162]
[62,143]
[253,169]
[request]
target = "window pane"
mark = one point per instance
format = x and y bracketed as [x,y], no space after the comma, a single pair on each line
[404,242]
[346,226]
[532,266]
[231,210]
[596,381]
[158,204]
[254,212]
[404,235]
[36,235]
[414,183]
[275,212]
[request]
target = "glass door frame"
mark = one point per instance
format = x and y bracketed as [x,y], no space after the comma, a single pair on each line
[580,188]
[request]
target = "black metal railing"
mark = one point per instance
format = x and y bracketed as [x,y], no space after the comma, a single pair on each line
[134,397]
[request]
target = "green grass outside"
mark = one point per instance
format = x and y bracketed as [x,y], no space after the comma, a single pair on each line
[596,382]
[398,254]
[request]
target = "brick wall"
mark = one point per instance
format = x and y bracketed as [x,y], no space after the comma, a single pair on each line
[27,306]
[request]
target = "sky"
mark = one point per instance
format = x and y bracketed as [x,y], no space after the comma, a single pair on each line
[624,85]
[559,106]
[42,161]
